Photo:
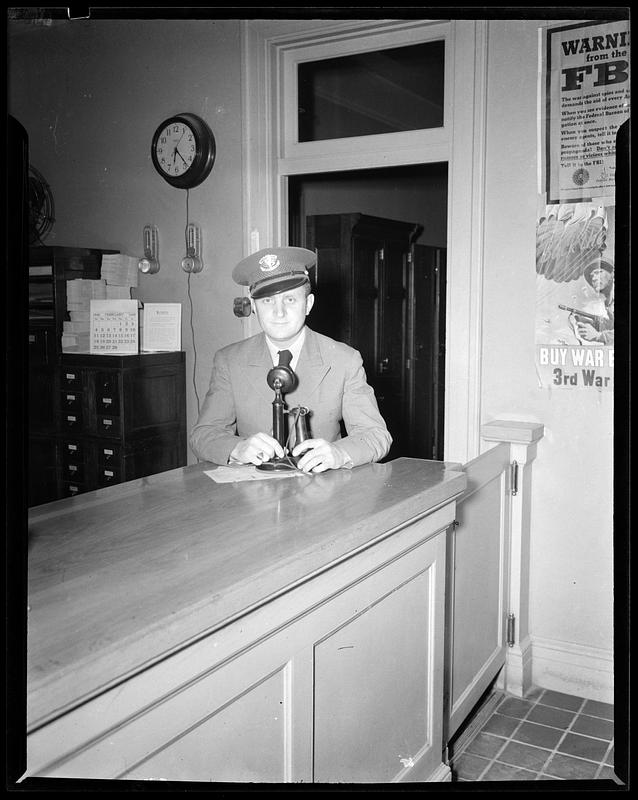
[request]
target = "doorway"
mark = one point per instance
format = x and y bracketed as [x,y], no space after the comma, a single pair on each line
[381,236]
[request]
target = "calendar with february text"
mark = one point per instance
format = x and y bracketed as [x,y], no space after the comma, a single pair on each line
[114,327]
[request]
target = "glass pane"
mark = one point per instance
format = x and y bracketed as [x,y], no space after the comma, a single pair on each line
[386,91]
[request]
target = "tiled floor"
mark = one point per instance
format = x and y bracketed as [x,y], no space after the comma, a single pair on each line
[545,736]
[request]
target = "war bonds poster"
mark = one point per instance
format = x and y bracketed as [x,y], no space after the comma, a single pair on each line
[575,296]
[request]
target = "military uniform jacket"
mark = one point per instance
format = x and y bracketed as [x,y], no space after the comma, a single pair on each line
[332,384]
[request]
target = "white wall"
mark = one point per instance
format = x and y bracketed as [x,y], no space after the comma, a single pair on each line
[90,95]
[571,531]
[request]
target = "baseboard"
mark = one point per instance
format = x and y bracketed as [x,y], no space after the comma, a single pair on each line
[566,667]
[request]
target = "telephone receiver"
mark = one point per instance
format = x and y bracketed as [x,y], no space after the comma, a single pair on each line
[282,380]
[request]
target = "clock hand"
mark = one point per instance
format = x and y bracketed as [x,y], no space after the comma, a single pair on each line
[181,156]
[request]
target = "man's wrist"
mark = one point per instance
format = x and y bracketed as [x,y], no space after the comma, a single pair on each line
[233,456]
[346,460]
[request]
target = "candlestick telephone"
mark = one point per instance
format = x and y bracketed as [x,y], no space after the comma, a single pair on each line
[281,380]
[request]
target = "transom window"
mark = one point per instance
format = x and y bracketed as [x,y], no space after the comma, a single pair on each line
[383,91]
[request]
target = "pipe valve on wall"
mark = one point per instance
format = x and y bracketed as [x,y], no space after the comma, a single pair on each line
[192,261]
[149,264]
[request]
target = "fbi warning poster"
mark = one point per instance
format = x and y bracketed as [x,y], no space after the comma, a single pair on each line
[585,99]
[575,297]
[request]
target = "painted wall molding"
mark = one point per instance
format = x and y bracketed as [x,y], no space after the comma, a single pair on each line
[572,668]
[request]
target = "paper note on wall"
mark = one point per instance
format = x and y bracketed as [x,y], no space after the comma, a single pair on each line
[162,323]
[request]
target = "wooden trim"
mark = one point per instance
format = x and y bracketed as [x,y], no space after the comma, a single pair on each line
[466,204]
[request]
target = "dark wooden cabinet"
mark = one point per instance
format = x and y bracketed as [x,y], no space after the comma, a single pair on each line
[380,292]
[115,418]
[94,420]
[49,270]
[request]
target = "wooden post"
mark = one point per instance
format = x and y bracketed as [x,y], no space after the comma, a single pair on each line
[523,437]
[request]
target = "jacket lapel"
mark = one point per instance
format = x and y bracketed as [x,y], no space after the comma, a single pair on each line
[311,367]
[257,365]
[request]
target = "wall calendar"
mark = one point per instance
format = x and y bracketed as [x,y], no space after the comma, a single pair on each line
[114,327]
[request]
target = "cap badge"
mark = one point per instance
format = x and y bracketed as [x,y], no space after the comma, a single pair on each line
[268,262]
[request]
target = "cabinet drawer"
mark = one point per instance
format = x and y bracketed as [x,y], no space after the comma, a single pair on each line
[70,401]
[108,475]
[108,426]
[71,379]
[73,471]
[73,450]
[108,454]
[71,420]
[71,488]
[108,404]
[107,397]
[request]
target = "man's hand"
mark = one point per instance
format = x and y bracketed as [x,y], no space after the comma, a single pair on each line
[319,455]
[256,449]
[586,331]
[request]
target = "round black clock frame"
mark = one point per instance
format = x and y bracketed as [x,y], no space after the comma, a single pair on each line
[205,151]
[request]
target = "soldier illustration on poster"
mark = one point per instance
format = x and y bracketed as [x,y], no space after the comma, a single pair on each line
[575,296]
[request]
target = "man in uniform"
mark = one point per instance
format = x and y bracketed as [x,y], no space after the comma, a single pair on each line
[600,276]
[235,422]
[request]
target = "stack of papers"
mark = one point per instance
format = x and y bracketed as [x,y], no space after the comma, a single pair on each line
[116,292]
[76,330]
[119,269]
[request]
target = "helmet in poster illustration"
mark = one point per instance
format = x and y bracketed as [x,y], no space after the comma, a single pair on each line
[606,265]
[593,276]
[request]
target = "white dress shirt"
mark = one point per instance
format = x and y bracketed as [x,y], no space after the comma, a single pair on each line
[295,349]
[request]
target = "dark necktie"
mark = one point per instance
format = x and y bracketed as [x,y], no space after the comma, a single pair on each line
[285,357]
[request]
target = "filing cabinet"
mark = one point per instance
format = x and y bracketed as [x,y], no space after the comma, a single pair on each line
[116,418]
[49,269]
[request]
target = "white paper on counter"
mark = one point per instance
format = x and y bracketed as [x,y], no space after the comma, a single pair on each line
[246,472]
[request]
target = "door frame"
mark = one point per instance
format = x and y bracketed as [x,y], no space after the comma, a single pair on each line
[270,51]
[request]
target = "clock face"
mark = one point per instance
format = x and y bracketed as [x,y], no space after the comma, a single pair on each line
[176,148]
[183,150]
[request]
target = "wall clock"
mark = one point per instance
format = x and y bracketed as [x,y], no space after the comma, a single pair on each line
[183,150]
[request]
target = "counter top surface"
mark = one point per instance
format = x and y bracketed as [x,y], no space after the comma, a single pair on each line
[124,575]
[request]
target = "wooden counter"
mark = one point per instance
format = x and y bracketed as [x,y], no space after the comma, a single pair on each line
[139,591]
